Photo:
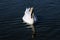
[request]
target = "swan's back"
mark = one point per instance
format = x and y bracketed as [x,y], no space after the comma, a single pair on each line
[28,20]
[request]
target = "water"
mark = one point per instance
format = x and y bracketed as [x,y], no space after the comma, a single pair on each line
[47,27]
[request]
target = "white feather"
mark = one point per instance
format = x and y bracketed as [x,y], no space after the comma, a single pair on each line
[27,17]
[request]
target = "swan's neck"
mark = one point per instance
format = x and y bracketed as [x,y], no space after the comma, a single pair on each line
[32,15]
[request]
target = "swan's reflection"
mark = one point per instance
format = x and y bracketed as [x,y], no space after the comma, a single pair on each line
[33,30]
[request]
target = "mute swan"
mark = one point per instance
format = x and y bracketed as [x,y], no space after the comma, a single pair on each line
[29,17]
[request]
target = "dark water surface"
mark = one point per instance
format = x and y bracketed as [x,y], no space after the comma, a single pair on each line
[47,27]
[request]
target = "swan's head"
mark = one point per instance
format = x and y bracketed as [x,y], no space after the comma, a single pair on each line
[29,10]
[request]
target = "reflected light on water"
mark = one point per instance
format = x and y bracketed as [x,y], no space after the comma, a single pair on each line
[33,31]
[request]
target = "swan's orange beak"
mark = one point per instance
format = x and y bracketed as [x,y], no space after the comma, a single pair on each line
[31,9]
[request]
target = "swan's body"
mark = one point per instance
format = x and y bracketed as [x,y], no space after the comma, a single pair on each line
[28,18]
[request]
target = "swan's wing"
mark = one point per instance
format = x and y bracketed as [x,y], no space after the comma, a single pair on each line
[35,19]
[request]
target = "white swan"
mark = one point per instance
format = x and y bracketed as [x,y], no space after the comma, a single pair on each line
[29,17]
